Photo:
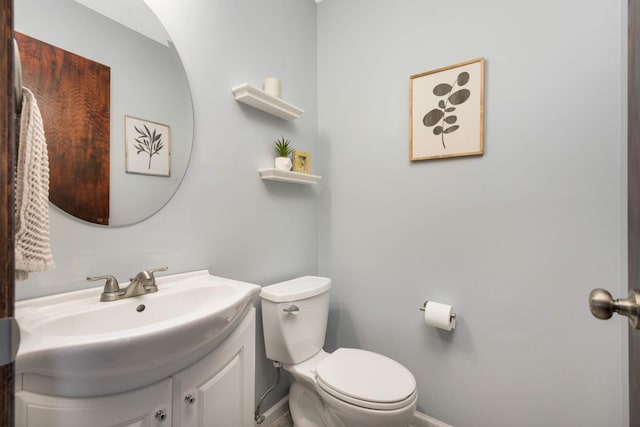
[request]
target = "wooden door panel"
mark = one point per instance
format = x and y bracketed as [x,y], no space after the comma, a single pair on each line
[74,98]
[7,156]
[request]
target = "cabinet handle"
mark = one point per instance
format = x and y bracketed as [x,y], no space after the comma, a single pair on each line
[190,399]
[161,415]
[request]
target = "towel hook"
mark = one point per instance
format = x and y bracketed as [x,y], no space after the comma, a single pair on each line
[17,77]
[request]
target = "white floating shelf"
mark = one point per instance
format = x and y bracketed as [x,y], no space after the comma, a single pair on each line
[272,174]
[261,100]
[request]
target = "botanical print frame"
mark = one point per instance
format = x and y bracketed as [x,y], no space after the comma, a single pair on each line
[447,111]
[301,161]
[147,147]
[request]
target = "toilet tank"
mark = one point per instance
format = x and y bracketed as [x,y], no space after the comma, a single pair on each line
[294,318]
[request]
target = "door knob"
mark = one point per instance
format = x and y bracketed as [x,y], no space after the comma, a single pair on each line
[603,306]
[161,415]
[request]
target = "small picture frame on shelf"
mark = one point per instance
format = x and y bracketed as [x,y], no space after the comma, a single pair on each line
[301,161]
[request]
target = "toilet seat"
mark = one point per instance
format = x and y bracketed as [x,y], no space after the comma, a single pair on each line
[366,379]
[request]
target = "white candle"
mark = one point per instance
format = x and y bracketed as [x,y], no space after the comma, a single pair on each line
[272,86]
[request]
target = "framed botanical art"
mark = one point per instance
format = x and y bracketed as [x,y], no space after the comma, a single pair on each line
[301,162]
[446,117]
[148,147]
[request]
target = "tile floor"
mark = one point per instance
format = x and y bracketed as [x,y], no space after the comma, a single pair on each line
[283,421]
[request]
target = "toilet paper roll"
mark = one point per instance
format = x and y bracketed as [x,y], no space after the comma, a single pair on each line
[439,315]
[272,86]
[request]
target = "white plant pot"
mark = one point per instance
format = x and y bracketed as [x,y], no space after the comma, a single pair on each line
[283,163]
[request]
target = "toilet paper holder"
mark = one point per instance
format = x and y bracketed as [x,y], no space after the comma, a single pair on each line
[424,306]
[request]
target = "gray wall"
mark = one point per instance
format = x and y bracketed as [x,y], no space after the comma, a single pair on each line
[223,217]
[514,239]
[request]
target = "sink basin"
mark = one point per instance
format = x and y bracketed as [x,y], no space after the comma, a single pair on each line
[74,345]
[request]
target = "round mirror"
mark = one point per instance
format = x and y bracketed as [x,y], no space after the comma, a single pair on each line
[115,104]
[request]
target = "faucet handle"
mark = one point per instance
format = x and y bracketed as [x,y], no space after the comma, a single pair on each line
[155,270]
[148,279]
[111,288]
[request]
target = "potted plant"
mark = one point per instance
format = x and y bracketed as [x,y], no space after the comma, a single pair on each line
[283,149]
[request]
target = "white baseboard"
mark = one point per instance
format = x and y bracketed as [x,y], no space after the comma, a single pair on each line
[273,415]
[276,416]
[423,420]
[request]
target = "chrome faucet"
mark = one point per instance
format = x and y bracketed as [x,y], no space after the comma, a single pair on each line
[143,283]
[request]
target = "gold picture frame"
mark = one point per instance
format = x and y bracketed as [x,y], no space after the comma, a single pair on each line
[301,161]
[446,117]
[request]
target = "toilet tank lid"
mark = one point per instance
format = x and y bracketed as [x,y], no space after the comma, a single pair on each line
[296,289]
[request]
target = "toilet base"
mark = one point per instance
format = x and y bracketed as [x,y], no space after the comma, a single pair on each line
[311,409]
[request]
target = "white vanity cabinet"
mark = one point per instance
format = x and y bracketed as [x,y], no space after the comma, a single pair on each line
[144,407]
[216,390]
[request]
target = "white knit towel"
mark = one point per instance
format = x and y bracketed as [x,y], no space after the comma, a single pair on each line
[32,248]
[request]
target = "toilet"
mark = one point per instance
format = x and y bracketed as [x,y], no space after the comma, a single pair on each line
[347,388]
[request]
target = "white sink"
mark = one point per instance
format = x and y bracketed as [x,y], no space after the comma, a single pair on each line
[74,345]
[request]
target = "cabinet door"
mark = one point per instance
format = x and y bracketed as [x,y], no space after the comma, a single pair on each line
[218,390]
[136,408]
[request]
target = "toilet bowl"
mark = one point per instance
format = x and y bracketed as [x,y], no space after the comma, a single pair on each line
[346,388]
[352,388]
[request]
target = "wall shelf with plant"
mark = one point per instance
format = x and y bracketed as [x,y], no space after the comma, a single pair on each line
[273,174]
[282,170]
